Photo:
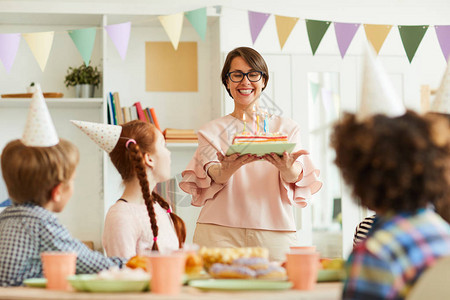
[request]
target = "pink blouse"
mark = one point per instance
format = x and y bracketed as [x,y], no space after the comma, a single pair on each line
[127,230]
[255,196]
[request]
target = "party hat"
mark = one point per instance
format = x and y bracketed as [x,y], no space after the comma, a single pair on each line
[377,92]
[441,102]
[106,136]
[39,129]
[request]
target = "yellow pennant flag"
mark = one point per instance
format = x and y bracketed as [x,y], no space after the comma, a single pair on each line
[284,28]
[376,34]
[40,44]
[173,24]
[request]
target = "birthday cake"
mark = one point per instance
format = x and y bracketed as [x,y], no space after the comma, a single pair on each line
[263,138]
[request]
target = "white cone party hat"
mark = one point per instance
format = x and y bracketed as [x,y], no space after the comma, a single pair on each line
[39,129]
[441,102]
[377,92]
[106,136]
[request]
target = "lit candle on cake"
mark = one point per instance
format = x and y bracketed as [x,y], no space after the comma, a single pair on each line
[254,119]
[266,125]
[257,123]
[243,119]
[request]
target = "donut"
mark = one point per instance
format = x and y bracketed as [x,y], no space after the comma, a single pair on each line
[219,270]
[254,263]
[272,272]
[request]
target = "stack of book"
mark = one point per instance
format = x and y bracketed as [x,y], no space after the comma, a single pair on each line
[118,115]
[180,135]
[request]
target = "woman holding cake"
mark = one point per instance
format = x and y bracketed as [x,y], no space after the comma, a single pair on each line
[247,200]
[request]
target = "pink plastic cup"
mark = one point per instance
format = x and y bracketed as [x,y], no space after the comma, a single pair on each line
[306,248]
[302,268]
[167,271]
[57,266]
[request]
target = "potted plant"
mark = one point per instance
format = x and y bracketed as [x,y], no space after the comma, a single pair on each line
[84,78]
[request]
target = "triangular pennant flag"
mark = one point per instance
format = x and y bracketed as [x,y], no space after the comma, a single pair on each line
[257,21]
[284,28]
[344,35]
[198,19]
[376,34]
[441,102]
[314,89]
[411,38]
[39,130]
[84,40]
[104,135]
[9,44]
[377,92]
[40,44]
[173,24]
[316,31]
[443,35]
[120,36]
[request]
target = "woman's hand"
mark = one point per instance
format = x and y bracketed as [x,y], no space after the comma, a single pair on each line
[289,171]
[220,173]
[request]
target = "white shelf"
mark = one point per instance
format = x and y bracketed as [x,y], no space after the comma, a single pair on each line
[182,145]
[54,102]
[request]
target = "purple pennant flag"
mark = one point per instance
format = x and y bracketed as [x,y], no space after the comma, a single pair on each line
[443,35]
[344,35]
[257,21]
[9,44]
[120,36]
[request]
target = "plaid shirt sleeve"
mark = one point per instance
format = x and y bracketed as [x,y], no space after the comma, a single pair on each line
[55,237]
[369,277]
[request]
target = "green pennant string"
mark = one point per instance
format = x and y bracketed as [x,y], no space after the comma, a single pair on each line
[314,90]
[411,38]
[316,31]
[84,41]
[198,19]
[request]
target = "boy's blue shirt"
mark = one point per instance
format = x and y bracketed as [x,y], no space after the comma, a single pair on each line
[26,231]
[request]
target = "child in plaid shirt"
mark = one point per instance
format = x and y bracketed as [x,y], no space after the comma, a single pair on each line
[396,166]
[39,182]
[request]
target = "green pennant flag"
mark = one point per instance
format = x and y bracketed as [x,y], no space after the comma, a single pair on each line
[198,19]
[84,41]
[411,38]
[316,31]
[314,89]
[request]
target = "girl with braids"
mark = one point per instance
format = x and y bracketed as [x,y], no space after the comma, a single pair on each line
[140,219]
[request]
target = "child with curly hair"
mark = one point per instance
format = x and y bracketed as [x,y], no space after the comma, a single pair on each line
[396,166]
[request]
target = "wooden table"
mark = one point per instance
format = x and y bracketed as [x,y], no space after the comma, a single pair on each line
[323,291]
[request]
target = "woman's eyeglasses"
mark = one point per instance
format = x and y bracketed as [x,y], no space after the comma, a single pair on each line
[238,76]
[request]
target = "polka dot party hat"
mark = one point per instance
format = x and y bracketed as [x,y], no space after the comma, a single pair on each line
[106,136]
[39,129]
[441,102]
[377,92]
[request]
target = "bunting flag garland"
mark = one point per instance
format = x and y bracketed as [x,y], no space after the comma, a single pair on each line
[120,36]
[84,40]
[376,34]
[9,44]
[316,31]
[344,35]
[443,35]
[198,19]
[411,38]
[257,21]
[314,87]
[173,24]
[284,28]
[40,44]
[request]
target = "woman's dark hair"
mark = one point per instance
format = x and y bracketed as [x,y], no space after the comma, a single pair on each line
[398,164]
[253,59]
[130,162]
